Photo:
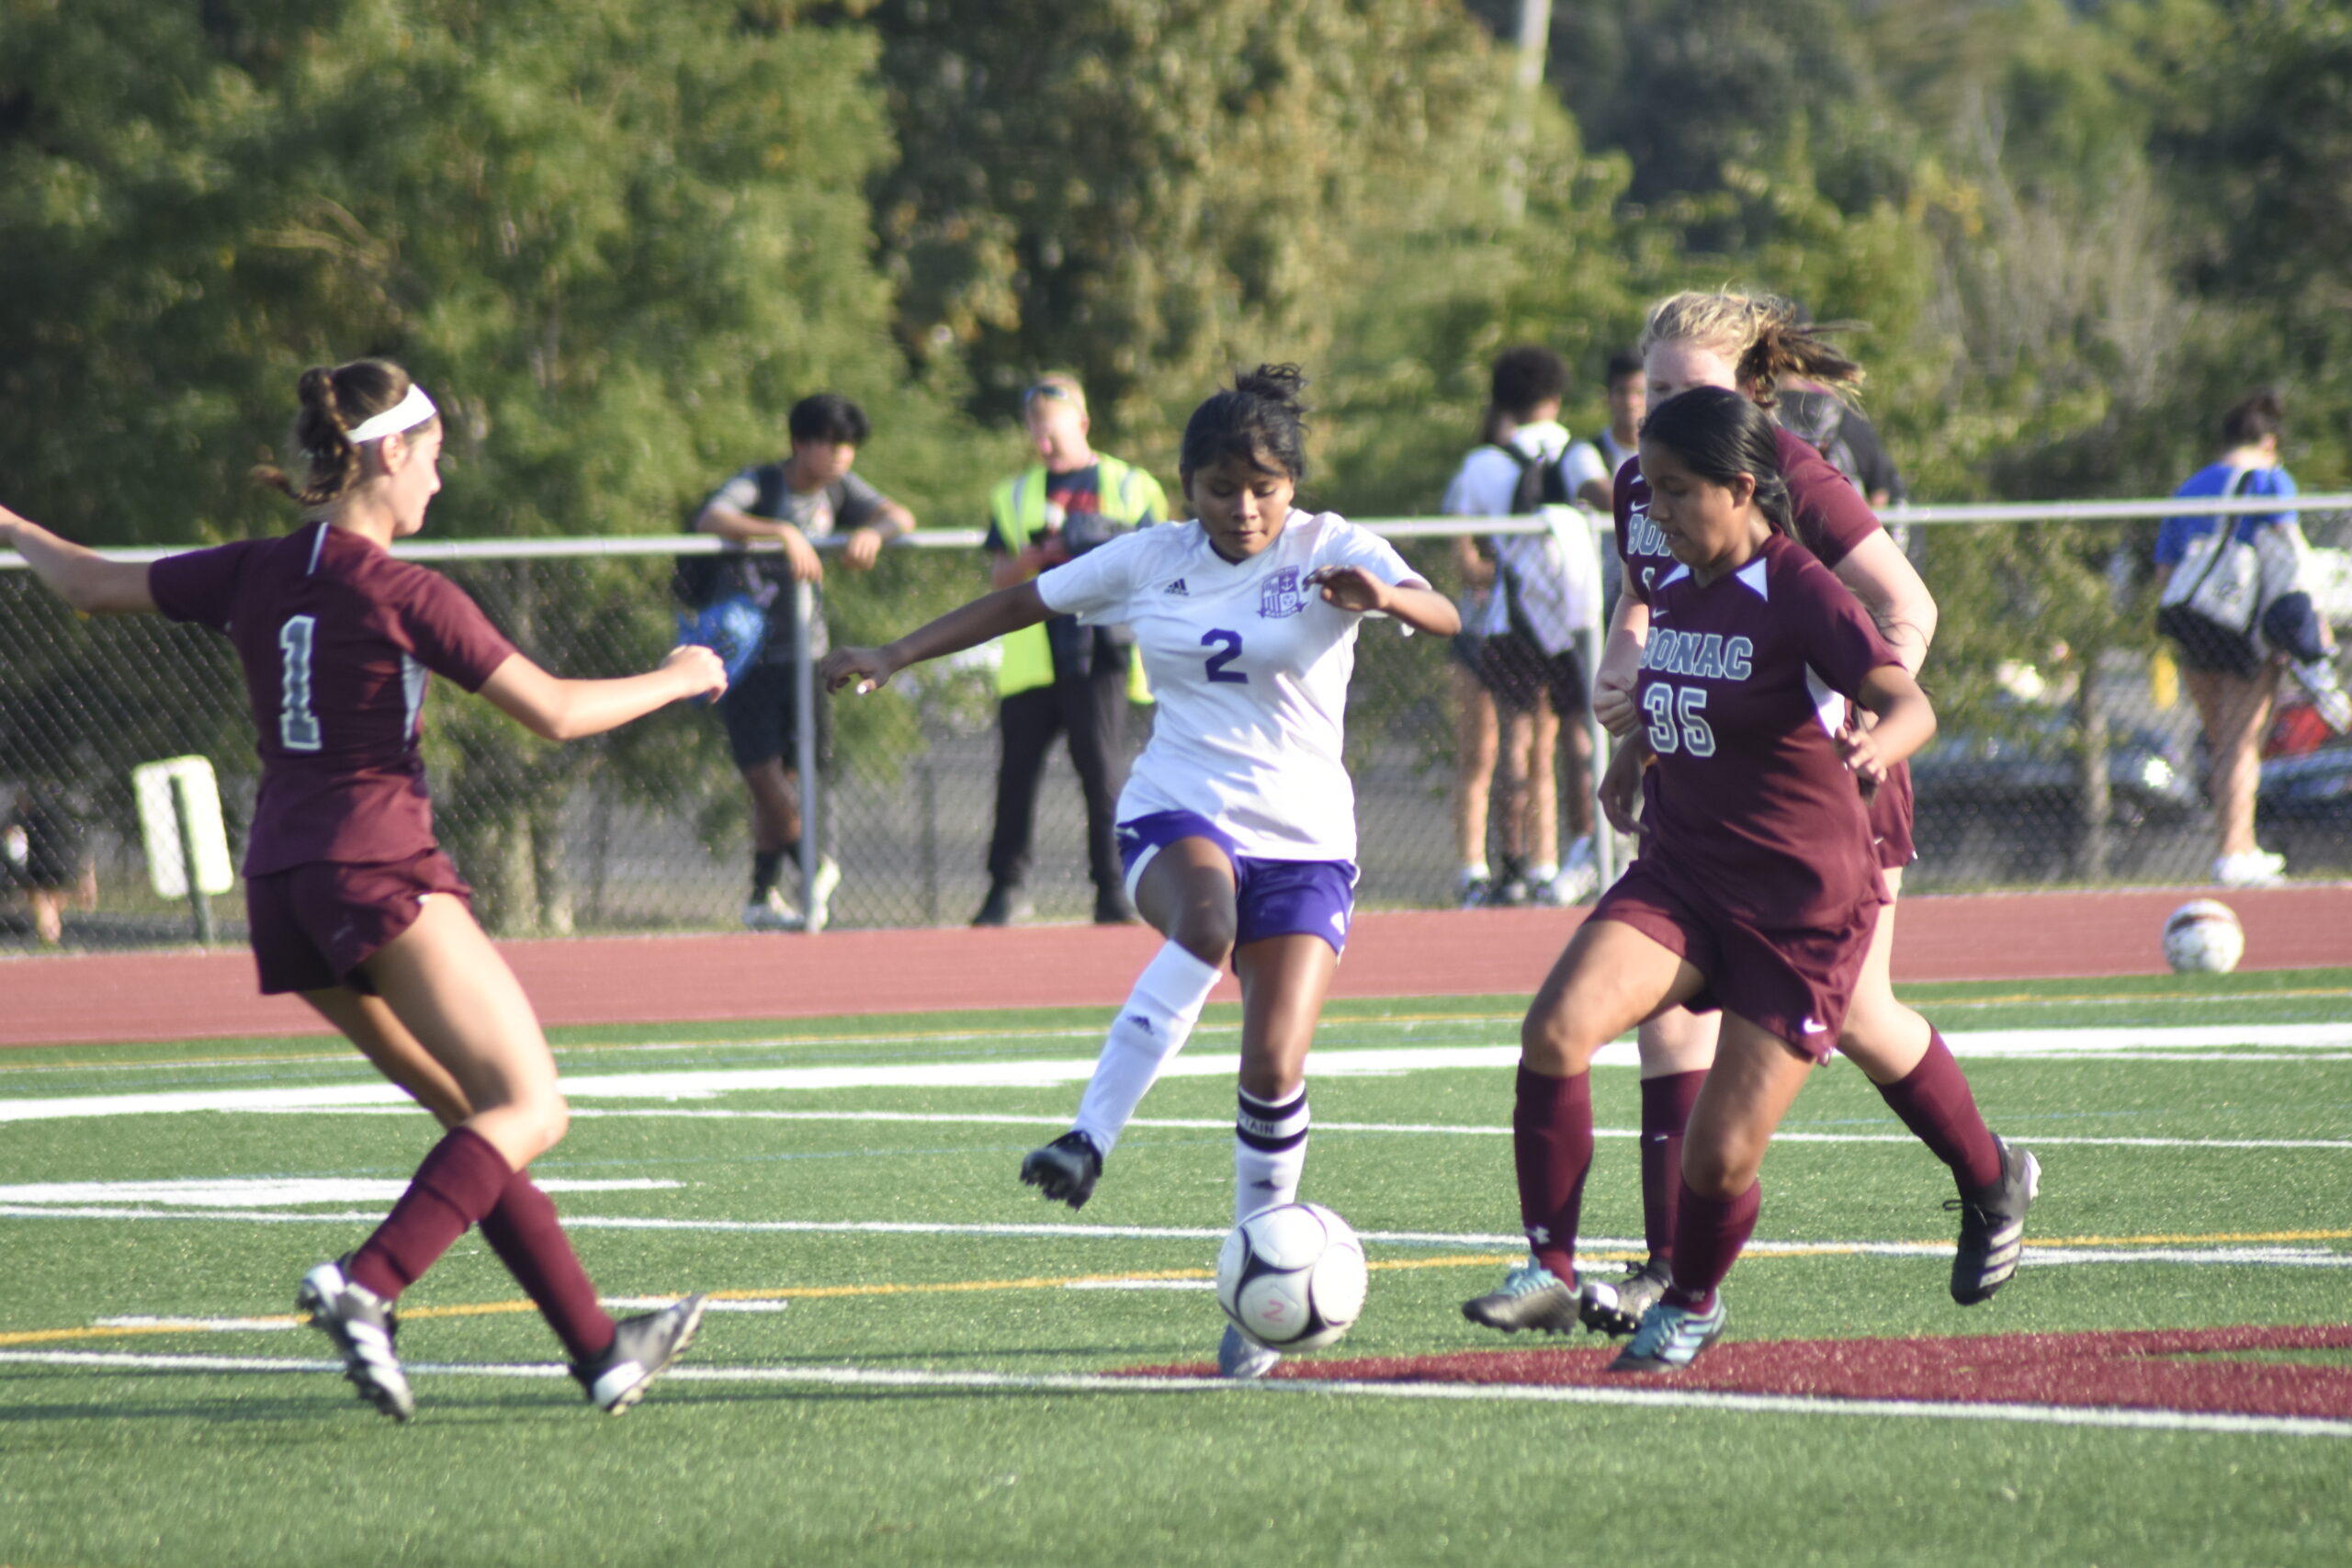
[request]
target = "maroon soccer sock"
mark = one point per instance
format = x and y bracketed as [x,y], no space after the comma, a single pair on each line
[524,1232]
[1935,1102]
[1551,1126]
[1708,1236]
[459,1183]
[1666,1111]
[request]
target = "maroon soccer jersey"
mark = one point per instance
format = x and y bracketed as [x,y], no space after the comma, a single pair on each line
[1831,515]
[336,638]
[1743,683]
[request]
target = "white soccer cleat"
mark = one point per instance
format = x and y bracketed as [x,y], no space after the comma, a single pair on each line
[362,1324]
[820,893]
[772,913]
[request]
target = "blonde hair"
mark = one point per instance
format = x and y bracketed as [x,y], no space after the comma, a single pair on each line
[1762,336]
[335,401]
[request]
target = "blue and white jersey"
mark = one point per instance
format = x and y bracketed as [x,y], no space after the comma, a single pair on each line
[2176,534]
[1250,668]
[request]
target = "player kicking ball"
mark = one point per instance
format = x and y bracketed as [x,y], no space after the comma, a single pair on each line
[352,905]
[1237,825]
[1757,891]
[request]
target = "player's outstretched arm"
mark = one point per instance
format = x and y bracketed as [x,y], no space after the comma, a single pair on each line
[1417,604]
[966,626]
[1905,723]
[557,709]
[83,577]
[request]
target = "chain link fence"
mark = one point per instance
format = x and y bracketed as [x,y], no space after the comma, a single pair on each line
[2069,754]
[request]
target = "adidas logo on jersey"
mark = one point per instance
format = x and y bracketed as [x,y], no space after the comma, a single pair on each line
[1178,589]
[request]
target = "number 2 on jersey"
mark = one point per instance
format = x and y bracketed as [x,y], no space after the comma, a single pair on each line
[1688,705]
[298,727]
[1229,648]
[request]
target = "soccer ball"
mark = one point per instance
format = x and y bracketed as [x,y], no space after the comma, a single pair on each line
[2203,937]
[1292,1277]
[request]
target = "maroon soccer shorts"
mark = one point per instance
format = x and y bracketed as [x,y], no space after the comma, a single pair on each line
[314,925]
[1795,983]
[1891,807]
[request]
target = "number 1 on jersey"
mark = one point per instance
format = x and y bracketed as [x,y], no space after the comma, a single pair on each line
[298,727]
[1229,645]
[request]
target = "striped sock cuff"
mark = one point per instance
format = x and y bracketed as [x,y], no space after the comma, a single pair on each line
[1271,1127]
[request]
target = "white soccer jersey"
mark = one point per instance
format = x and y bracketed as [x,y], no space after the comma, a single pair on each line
[1250,668]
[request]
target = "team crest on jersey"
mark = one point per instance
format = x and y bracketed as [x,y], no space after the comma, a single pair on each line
[1281,596]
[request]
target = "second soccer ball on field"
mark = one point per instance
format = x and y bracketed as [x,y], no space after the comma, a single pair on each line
[1292,1277]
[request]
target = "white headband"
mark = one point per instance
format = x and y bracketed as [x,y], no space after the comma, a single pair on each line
[407,415]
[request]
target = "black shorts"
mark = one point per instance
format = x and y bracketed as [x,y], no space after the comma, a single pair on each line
[1516,670]
[759,710]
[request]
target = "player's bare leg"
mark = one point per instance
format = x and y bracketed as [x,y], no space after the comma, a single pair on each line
[369,1024]
[1609,979]
[1185,891]
[1476,738]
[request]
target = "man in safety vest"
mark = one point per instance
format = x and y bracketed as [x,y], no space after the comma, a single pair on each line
[1062,677]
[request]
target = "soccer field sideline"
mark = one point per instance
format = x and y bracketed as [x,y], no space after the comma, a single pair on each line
[2302,1041]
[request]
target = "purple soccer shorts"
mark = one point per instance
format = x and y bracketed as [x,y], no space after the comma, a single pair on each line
[1271,898]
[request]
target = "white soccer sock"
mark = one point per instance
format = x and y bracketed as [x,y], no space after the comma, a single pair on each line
[1269,1152]
[1153,1026]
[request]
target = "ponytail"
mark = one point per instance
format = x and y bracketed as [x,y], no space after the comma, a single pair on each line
[332,403]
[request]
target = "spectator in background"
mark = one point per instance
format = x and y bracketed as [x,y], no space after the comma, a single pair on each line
[1528,663]
[809,494]
[2232,677]
[40,852]
[1061,677]
[1592,466]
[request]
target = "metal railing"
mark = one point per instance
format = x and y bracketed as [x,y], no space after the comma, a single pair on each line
[2067,754]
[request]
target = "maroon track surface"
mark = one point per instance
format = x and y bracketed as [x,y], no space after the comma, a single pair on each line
[2143,1368]
[180,995]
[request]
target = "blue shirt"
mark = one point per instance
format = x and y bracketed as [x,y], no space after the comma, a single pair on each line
[2178,533]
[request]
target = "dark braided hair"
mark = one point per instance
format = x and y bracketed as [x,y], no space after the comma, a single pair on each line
[1260,419]
[334,402]
[1719,435]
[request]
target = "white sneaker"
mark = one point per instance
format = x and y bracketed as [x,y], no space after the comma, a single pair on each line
[1243,1359]
[2251,868]
[1577,880]
[2325,689]
[772,913]
[820,893]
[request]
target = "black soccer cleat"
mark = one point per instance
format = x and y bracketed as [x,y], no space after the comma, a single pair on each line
[642,1349]
[1992,1227]
[1066,1169]
[1614,1307]
[362,1324]
[1531,1296]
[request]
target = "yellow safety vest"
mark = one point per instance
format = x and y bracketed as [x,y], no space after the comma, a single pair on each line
[1017,510]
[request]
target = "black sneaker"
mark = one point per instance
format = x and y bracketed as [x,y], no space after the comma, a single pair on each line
[1066,1169]
[1003,907]
[642,1349]
[362,1324]
[1992,1228]
[1614,1307]
[1531,1296]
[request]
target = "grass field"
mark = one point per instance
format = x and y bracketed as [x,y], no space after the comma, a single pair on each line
[908,1365]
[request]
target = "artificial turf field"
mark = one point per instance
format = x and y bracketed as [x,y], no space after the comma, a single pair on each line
[906,1365]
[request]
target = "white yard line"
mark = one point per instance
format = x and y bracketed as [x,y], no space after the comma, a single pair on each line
[2194,1422]
[1050,1073]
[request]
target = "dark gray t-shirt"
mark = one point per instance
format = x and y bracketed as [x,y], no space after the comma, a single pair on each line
[759,490]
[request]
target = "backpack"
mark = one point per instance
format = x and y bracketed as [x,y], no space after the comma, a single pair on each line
[1541,482]
[1572,577]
